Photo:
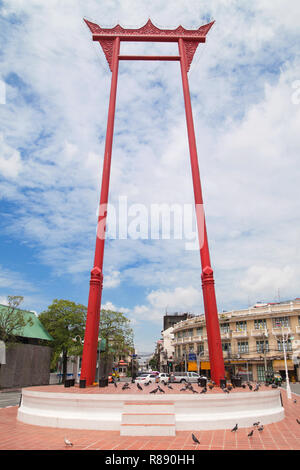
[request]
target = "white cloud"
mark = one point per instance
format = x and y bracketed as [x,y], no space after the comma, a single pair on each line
[10,160]
[112,280]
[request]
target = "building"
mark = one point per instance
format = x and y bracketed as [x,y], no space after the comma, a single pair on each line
[26,362]
[172,319]
[252,340]
[166,351]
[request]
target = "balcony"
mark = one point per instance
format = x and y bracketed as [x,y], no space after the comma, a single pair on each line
[259,333]
[278,331]
[225,334]
[240,334]
[189,339]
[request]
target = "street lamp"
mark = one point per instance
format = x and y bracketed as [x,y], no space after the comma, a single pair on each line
[284,342]
[78,357]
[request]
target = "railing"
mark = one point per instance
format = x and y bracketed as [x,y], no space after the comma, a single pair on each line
[225,334]
[259,332]
[278,331]
[240,334]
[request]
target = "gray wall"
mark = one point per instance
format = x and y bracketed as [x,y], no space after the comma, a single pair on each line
[26,364]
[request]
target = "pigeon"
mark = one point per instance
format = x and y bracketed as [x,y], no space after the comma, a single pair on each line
[256,424]
[261,428]
[195,439]
[225,390]
[160,389]
[147,383]
[182,389]
[139,387]
[115,384]
[295,401]
[170,387]
[67,442]
[298,420]
[256,388]
[154,391]
[229,387]
[250,386]
[251,433]
[211,386]
[235,428]
[125,387]
[195,391]
[204,390]
[243,385]
[274,386]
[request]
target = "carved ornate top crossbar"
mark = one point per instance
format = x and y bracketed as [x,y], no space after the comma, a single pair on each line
[149,33]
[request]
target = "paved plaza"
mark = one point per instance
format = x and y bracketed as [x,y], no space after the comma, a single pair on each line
[283,435]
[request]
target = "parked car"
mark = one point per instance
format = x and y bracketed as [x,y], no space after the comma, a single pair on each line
[145,378]
[163,377]
[177,377]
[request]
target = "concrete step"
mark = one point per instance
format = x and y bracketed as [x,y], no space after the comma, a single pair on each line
[147,430]
[148,418]
[148,407]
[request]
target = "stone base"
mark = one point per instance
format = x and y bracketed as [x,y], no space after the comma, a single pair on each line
[170,413]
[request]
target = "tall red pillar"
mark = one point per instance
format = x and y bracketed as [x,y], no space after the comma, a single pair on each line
[210,304]
[89,356]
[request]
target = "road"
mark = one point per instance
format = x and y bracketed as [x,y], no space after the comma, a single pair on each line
[295,387]
[9,398]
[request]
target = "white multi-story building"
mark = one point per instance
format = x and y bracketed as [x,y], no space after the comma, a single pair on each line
[252,340]
[167,350]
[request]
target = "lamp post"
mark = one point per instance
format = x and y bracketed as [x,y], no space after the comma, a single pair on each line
[78,357]
[284,342]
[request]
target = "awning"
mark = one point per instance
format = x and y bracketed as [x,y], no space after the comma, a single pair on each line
[280,365]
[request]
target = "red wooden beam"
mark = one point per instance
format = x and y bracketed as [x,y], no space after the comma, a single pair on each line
[149,57]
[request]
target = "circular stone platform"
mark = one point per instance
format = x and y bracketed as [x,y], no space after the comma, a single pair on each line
[141,413]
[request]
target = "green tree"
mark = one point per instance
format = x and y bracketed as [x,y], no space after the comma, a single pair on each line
[12,319]
[65,321]
[115,329]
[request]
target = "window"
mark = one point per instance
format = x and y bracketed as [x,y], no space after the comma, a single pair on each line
[200,348]
[260,324]
[243,347]
[199,331]
[241,326]
[224,327]
[262,346]
[261,374]
[226,347]
[279,322]
[288,345]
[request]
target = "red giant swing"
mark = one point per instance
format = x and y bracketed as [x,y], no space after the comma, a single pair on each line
[188,41]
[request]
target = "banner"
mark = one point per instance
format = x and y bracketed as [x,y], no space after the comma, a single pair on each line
[205,365]
[192,366]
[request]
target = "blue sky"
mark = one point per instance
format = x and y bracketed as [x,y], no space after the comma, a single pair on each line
[53,107]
